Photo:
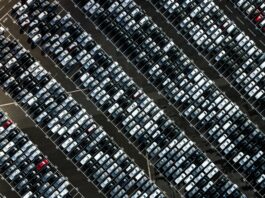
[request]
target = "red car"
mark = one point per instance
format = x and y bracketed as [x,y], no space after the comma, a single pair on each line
[258,18]
[43,163]
[7,124]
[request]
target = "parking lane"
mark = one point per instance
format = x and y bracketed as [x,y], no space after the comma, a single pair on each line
[54,70]
[26,172]
[35,133]
[97,115]
[141,81]
[44,144]
[113,22]
[105,142]
[139,159]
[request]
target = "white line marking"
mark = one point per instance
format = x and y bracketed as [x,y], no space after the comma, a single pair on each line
[262,42]
[240,20]
[252,32]
[74,91]
[7,104]
[228,9]
[3,16]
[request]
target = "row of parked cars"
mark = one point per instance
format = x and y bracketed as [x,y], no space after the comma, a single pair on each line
[131,110]
[188,89]
[25,168]
[232,53]
[254,10]
[69,125]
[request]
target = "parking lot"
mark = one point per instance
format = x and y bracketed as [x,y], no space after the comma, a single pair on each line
[46,146]
[56,156]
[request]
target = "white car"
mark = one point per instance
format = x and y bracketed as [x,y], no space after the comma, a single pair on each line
[58,51]
[2,30]
[95,91]
[253,91]
[225,144]
[66,143]
[215,33]
[248,45]
[195,11]
[53,122]
[34,32]
[62,55]
[94,8]
[85,59]
[66,60]
[85,159]
[89,81]
[252,50]
[198,34]
[240,3]
[220,55]
[16,6]
[27,195]
[64,37]
[88,5]
[213,172]
[168,4]
[244,160]
[201,40]
[208,7]
[54,46]
[73,128]
[173,7]
[61,131]
[243,41]
[71,146]
[24,24]
[259,94]
[238,157]
[184,22]
[82,36]
[56,128]
[81,54]
[261,179]
[194,30]
[229,149]
[36,38]
[231,189]
[8,146]
[219,39]
[180,178]
[65,19]
[21,9]
[132,107]
[55,19]
[94,126]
